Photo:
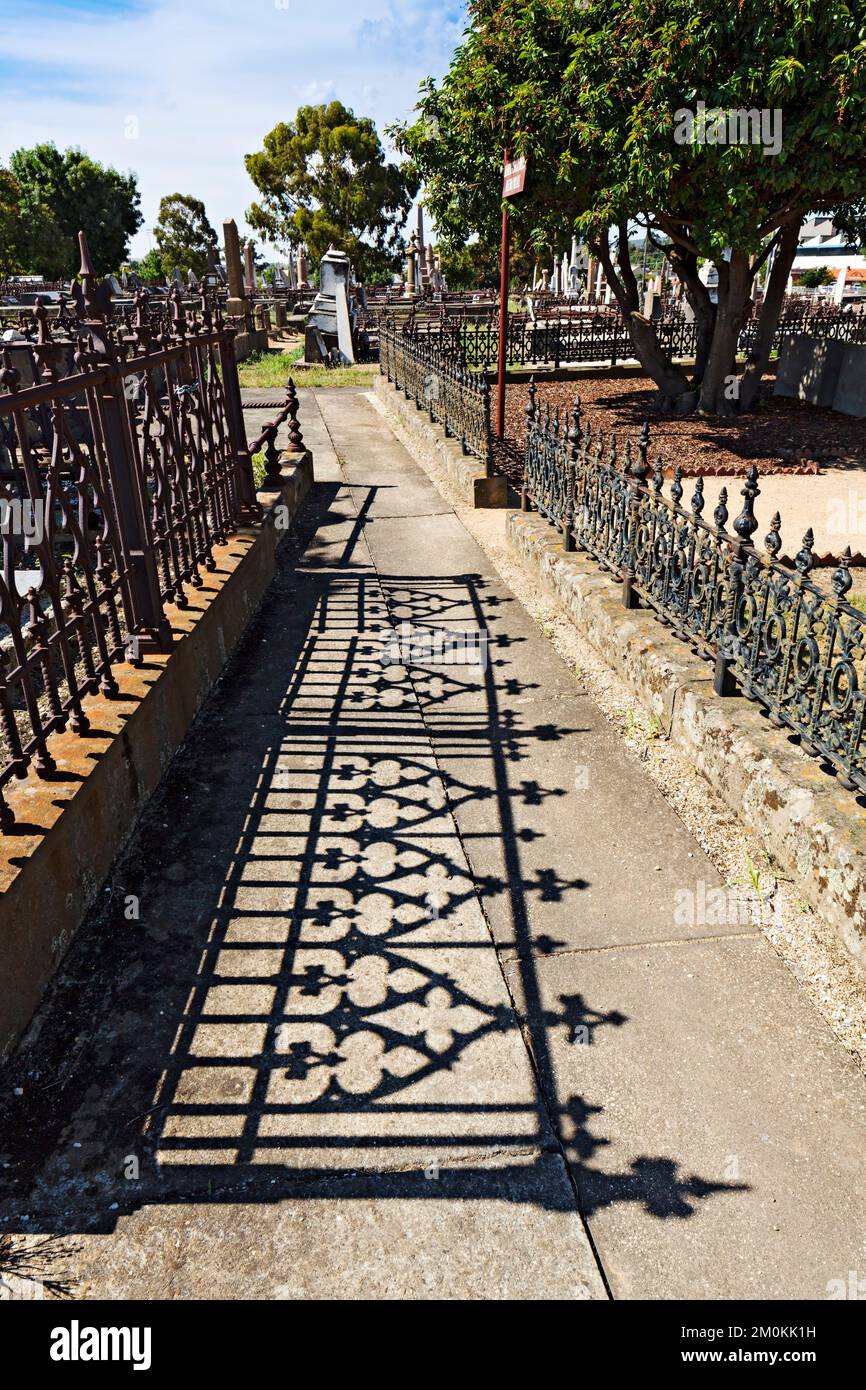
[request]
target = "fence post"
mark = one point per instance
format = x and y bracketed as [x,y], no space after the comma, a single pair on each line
[629,597]
[745,525]
[573,440]
[531,412]
[485,397]
[125,477]
[235,417]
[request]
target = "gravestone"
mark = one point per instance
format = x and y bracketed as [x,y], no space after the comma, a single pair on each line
[809,368]
[249,267]
[234,269]
[329,325]
[850,394]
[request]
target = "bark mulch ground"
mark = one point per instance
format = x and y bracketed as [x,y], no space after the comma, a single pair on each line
[779,435]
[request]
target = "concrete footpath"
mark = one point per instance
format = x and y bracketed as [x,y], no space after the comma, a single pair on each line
[390,995]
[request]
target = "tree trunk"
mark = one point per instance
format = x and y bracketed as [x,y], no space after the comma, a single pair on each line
[685,266]
[750,381]
[671,381]
[719,387]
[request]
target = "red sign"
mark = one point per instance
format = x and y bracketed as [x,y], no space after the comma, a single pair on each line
[514,177]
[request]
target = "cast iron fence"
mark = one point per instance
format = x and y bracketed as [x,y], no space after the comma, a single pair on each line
[769,629]
[123,462]
[425,369]
[601,335]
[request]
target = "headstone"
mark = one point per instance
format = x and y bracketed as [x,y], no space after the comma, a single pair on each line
[234,269]
[839,287]
[850,394]
[329,324]
[303,283]
[192,281]
[249,267]
[420,230]
[809,368]
[114,284]
[175,277]
[411,260]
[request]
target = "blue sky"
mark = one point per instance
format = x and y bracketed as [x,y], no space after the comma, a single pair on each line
[180,90]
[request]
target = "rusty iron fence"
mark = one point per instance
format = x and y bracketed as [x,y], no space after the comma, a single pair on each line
[123,463]
[769,630]
[424,368]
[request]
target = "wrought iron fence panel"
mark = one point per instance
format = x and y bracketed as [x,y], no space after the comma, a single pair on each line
[123,462]
[427,370]
[769,629]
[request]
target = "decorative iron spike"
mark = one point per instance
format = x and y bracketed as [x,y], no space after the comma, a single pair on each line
[86,270]
[573,435]
[556,420]
[677,486]
[296,439]
[773,539]
[658,476]
[40,313]
[697,503]
[640,467]
[611,451]
[720,515]
[841,580]
[628,461]
[643,446]
[746,523]
[804,560]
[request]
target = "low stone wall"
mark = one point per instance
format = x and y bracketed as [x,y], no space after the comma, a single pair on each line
[811,828]
[70,828]
[428,443]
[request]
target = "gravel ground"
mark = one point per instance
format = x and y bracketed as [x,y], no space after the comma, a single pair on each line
[810,948]
[780,435]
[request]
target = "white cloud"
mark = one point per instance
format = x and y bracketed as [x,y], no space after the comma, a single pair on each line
[181,90]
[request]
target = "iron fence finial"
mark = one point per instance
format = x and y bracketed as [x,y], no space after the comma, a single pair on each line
[841,580]
[773,539]
[746,523]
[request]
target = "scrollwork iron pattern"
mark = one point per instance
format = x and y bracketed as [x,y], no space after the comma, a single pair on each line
[796,650]
[122,464]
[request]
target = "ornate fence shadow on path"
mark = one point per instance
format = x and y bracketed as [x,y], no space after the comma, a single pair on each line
[771,633]
[325,983]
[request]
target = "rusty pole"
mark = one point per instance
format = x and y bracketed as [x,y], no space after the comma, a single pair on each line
[503,320]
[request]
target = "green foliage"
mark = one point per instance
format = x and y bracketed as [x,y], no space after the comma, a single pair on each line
[79,194]
[324,181]
[150,266]
[183,234]
[270,371]
[31,242]
[814,279]
[590,92]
